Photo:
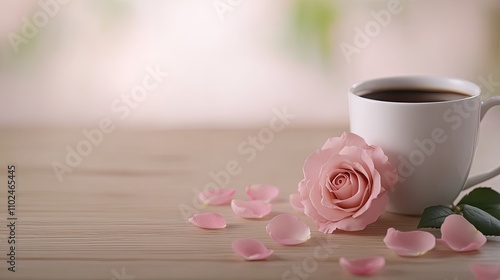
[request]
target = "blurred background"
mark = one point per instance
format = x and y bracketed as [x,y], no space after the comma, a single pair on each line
[229,62]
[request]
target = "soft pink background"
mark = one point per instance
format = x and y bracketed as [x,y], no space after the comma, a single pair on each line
[223,73]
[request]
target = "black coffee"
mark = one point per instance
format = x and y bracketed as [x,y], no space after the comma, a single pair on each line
[413,95]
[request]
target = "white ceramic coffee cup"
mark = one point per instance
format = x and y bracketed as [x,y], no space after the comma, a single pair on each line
[432,144]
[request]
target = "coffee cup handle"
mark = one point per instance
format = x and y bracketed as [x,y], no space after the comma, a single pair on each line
[474,180]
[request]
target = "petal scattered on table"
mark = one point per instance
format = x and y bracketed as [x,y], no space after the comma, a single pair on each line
[216,197]
[363,266]
[288,229]
[208,220]
[409,244]
[460,235]
[251,249]
[253,209]
[262,192]
[296,202]
[486,271]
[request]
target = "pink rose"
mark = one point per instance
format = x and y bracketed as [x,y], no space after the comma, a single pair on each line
[345,184]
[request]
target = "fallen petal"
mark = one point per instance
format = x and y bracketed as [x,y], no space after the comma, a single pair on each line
[485,271]
[296,202]
[216,197]
[288,229]
[252,209]
[363,266]
[262,192]
[409,244]
[251,249]
[208,220]
[460,235]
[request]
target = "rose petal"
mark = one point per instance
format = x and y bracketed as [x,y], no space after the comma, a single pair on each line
[345,184]
[460,235]
[251,209]
[486,271]
[208,220]
[346,139]
[295,201]
[363,266]
[409,244]
[251,249]
[216,197]
[262,192]
[377,208]
[390,173]
[314,162]
[288,229]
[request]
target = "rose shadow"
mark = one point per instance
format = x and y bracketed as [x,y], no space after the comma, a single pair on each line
[387,220]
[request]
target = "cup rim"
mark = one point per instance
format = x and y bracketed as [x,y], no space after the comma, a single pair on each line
[462,86]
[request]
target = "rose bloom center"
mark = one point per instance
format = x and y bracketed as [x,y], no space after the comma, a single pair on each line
[340,186]
[338,182]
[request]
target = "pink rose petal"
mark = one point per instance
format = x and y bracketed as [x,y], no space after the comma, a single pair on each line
[208,220]
[346,139]
[288,229]
[409,244]
[460,235]
[296,202]
[377,208]
[363,266]
[263,192]
[486,271]
[216,197]
[252,209]
[345,184]
[251,249]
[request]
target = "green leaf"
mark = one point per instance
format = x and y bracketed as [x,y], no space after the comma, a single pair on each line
[482,220]
[485,199]
[481,197]
[493,211]
[433,216]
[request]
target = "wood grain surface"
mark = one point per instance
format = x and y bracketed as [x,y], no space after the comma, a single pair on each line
[121,212]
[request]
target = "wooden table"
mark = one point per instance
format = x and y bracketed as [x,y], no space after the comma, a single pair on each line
[117,214]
